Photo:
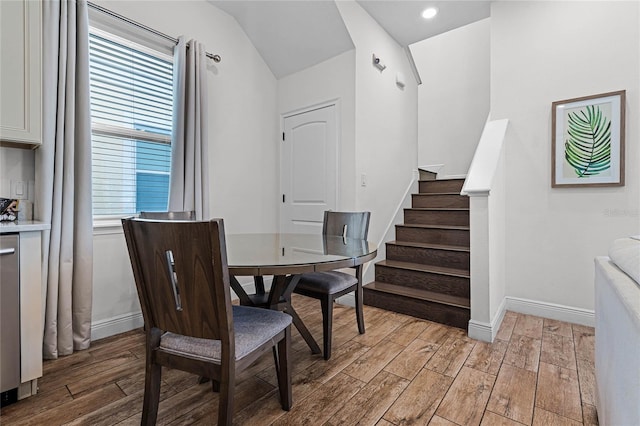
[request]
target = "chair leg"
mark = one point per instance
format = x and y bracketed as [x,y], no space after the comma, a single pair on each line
[151,394]
[152,377]
[359,300]
[327,323]
[227,387]
[283,367]
[359,309]
[274,350]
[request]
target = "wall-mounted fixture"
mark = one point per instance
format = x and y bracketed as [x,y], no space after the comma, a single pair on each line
[377,62]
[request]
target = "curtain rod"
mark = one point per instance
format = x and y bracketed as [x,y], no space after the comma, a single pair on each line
[216,58]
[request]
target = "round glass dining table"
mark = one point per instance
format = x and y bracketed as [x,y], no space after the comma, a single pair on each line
[282,253]
[286,256]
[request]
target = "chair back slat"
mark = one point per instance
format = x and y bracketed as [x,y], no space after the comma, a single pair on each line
[194,276]
[185,215]
[357,224]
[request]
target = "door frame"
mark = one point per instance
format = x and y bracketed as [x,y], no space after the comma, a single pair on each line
[297,111]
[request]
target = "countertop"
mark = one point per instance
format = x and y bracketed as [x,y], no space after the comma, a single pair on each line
[23,226]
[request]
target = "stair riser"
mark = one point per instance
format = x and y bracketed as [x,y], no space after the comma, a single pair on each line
[429,217]
[425,175]
[451,237]
[439,186]
[444,284]
[443,201]
[444,314]
[428,256]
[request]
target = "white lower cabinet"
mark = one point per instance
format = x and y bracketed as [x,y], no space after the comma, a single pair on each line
[31,302]
[31,312]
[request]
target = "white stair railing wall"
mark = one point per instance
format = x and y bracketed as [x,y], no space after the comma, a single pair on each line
[485,185]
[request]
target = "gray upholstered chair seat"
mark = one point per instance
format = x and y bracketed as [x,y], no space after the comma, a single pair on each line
[252,327]
[326,282]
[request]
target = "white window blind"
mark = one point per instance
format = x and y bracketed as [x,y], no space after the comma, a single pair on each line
[131,108]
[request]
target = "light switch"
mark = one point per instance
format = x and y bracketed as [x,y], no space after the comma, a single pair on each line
[363,179]
[19,189]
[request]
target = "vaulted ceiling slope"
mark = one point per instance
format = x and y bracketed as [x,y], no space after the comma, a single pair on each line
[292,35]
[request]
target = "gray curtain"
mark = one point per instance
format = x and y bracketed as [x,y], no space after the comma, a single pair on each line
[63,178]
[189,181]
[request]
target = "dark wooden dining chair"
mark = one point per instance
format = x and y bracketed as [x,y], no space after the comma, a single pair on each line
[181,274]
[184,215]
[328,286]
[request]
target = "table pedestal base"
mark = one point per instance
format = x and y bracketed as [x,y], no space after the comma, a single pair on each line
[279,299]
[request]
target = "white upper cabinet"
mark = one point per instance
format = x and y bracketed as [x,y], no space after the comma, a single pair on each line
[21,72]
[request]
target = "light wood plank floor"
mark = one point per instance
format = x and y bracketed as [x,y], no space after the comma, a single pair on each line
[403,371]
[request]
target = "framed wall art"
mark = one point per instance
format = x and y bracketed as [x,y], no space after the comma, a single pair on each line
[588,141]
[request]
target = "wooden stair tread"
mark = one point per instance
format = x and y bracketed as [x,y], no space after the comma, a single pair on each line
[425,295]
[428,275]
[429,246]
[419,225]
[430,194]
[440,209]
[418,267]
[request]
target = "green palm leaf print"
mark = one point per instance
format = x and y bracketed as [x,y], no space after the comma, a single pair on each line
[588,148]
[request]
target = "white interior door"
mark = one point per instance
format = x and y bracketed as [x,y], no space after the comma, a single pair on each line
[308,170]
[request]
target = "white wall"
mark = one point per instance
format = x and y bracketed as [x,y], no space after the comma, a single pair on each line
[115,300]
[333,79]
[386,120]
[543,52]
[453,99]
[243,155]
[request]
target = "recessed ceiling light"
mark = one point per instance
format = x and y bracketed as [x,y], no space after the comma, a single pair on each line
[429,12]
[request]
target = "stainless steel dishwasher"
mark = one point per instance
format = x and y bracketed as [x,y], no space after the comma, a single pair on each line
[9,317]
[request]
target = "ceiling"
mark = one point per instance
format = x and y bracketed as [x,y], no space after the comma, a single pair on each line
[292,35]
[403,21]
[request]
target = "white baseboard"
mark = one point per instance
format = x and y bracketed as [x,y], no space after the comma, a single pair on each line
[116,325]
[551,311]
[486,332]
[480,331]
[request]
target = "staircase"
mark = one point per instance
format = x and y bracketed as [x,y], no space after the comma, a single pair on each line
[426,273]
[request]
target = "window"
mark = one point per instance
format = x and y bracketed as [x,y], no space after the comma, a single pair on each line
[131,117]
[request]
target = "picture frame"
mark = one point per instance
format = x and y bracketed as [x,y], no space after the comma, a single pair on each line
[587,141]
